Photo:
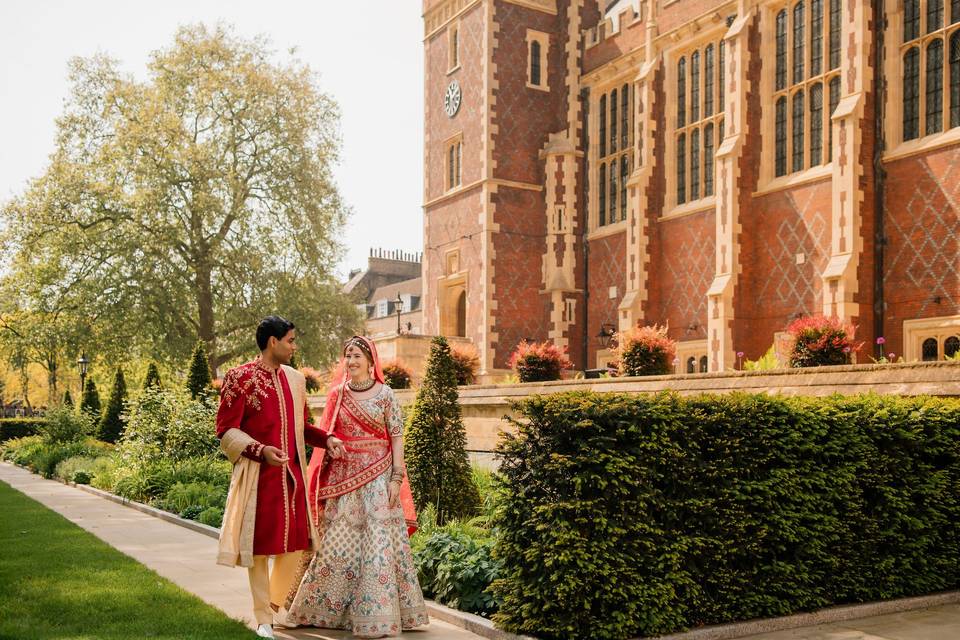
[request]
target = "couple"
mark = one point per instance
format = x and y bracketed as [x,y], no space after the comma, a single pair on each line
[336,529]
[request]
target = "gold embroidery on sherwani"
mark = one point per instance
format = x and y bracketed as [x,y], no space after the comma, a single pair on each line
[275,379]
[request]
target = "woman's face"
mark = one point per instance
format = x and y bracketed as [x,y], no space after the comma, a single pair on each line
[356,360]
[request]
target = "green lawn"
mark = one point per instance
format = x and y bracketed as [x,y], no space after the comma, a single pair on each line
[58,581]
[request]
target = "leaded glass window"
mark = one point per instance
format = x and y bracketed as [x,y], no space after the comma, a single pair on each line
[797,131]
[708,166]
[934,95]
[816,37]
[911,94]
[682,168]
[798,42]
[695,164]
[816,124]
[613,121]
[708,72]
[682,92]
[602,194]
[835,34]
[695,86]
[624,173]
[781,63]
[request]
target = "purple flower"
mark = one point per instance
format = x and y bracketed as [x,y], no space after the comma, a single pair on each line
[739,354]
[891,356]
[881,340]
[846,349]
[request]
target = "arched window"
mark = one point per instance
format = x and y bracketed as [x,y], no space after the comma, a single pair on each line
[603,127]
[624,172]
[613,121]
[781,64]
[929,350]
[934,15]
[703,364]
[955,77]
[911,94]
[682,92]
[708,72]
[624,116]
[602,194]
[954,11]
[816,124]
[951,346]
[613,192]
[835,34]
[834,101]
[798,42]
[720,80]
[798,131]
[535,63]
[911,20]
[708,164]
[692,364]
[681,169]
[816,37]
[695,164]
[695,86]
[781,138]
[934,97]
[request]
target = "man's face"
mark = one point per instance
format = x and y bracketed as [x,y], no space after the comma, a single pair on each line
[284,348]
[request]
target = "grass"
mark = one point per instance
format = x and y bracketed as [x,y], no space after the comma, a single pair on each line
[58,581]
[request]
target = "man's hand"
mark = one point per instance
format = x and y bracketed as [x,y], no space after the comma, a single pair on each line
[274,456]
[335,447]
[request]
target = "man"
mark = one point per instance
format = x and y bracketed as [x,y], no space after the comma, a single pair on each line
[263,423]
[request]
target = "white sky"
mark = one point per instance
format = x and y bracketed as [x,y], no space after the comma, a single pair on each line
[369,54]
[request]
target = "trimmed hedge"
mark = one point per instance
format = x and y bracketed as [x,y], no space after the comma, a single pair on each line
[641,515]
[19,427]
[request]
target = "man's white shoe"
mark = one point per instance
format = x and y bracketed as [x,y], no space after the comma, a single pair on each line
[265,631]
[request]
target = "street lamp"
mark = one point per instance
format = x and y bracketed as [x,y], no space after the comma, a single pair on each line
[399,305]
[606,335]
[83,363]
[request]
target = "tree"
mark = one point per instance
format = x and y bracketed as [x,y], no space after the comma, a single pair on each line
[436,442]
[112,424]
[90,404]
[67,398]
[195,202]
[198,382]
[152,379]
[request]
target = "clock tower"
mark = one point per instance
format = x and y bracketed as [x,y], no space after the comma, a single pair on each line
[503,173]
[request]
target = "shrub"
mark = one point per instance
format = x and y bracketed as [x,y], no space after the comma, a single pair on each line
[44,457]
[19,427]
[436,440]
[167,424]
[199,378]
[644,515]
[68,469]
[192,512]
[645,351]
[766,362]
[396,375]
[211,516]
[819,341]
[314,379]
[539,361]
[90,403]
[21,450]
[113,422]
[146,481]
[63,425]
[152,379]
[466,363]
[67,399]
[183,495]
[456,569]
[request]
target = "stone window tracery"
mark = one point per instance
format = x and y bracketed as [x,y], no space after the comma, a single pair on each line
[930,58]
[614,153]
[698,88]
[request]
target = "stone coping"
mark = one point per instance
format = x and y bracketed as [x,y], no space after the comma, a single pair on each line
[483,627]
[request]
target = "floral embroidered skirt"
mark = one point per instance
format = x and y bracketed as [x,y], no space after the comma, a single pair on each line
[363,578]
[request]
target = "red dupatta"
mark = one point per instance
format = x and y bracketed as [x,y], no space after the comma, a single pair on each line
[367,444]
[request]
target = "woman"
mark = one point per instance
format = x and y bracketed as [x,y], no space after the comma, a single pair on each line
[362,578]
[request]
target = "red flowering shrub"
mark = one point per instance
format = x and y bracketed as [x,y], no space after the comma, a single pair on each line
[539,361]
[466,363]
[396,375]
[646,351]
[314,379]
[819,341]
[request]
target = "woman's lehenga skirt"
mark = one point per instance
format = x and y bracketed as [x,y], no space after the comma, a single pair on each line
[363,578]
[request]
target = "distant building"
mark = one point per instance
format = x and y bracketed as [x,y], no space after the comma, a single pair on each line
[391,279]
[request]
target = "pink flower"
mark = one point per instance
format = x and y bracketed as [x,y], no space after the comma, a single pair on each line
[739,354]
[881,340]
[891,356]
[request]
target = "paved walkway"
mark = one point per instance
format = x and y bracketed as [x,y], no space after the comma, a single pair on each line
[184,557]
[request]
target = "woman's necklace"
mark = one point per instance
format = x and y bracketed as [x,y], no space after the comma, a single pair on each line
[362,386]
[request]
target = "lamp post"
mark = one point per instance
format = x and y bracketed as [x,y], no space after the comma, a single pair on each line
[83,363]
[606,336]
[399,305]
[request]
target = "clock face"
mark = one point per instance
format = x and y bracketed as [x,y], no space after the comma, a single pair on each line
[451,99]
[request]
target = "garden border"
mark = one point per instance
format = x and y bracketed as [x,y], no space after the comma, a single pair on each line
[483,627]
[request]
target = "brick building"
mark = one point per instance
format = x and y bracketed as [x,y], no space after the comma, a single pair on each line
[718,167]
[390,283]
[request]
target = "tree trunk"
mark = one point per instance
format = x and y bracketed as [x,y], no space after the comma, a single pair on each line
[52,394]
[207,322]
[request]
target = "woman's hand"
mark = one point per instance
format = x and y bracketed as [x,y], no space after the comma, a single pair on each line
[335,447]
[393,493]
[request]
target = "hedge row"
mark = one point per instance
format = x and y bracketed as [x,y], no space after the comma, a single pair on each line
[18,427]
[625,515]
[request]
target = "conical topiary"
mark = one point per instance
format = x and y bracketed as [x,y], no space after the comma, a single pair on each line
[112,424]
[436,442]
[198,383]
[152,378]
[67,398]
[90,404]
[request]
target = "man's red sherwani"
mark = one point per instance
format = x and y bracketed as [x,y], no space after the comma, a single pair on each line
[258,400]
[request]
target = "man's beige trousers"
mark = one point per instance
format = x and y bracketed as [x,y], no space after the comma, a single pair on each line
[271,586]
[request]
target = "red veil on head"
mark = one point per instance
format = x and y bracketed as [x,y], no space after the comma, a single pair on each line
[338,386]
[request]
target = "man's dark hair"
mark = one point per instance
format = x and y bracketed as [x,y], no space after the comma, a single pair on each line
[272,327]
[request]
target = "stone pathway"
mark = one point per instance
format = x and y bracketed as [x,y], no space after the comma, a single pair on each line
[184,557]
